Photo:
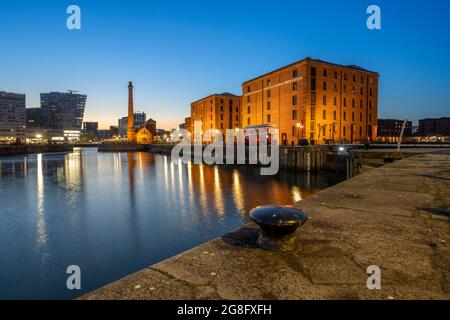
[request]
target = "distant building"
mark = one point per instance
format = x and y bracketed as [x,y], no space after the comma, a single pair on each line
[217,111]
[182,125]
[144,136]
[123,126]
[90,128]
[389,130]
[12,117]
[35,118]
[434,127]
[188,124]
[114,130]
[104,134]
[151,126]
[139,121]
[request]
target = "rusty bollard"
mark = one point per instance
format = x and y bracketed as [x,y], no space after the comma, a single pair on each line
[278,225]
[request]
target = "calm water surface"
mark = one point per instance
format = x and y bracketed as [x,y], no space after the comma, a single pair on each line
[115,213]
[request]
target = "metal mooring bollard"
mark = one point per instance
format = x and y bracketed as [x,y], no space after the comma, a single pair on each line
[278,225]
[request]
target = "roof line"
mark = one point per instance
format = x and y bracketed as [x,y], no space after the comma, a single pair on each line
[314,60]
[225,94]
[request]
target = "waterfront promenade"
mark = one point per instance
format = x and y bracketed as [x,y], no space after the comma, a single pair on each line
[12,150]
[396,217]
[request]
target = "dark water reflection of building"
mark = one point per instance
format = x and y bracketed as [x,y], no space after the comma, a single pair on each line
[115,213]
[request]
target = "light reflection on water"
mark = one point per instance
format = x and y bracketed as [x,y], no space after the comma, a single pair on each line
[115,213]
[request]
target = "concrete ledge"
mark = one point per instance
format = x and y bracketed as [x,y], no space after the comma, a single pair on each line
[396,217]
[27,149]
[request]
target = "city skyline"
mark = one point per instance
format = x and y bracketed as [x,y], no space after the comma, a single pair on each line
[165,50]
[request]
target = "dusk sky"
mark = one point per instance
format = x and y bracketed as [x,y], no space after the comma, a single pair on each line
[176,52]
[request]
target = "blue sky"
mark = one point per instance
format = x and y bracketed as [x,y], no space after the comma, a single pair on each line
[176,52]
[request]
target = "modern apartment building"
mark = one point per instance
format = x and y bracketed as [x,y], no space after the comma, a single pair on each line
[12,117]
[63,110]
[217,112]
[315,100]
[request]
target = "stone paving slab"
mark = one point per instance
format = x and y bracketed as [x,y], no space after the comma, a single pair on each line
[396,217]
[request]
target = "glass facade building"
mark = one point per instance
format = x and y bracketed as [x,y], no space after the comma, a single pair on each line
[63,111]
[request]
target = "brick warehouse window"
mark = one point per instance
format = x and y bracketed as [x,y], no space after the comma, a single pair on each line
[353,103]
[360,117]
[268,93]
[294,114]
[294,73]
[268,105]
[345,116]
[248,88]
[268,118]
[334,101]
[313,99]
[324,100]
[268,82]
[343,131]
[325,86]
[345,102]
[294,86]
[313,84]
[294,100]
[334,115]
[335,75]
[248,98]
[248,121]
[324,115]
[313,72]
[325,73]
[248,109]
[361,104]
[335,87]
[353,116]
